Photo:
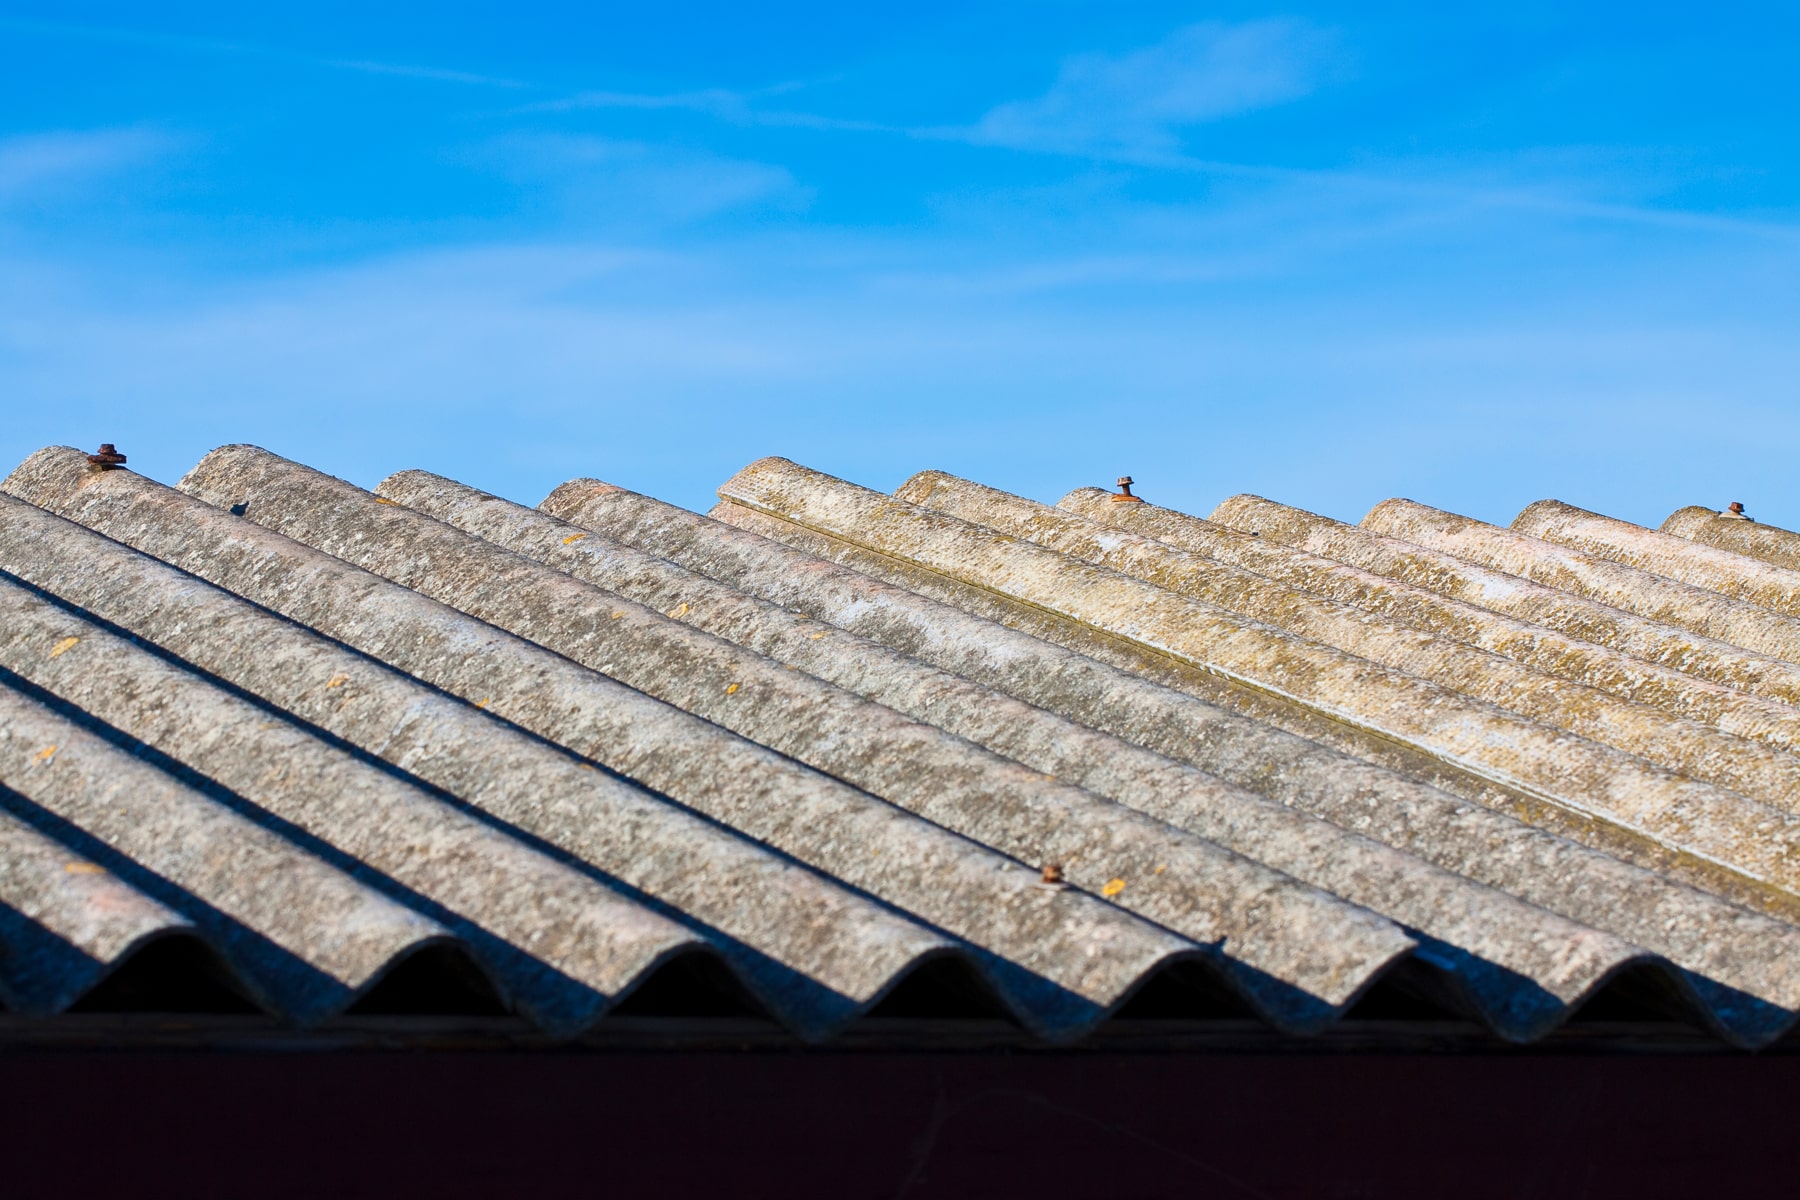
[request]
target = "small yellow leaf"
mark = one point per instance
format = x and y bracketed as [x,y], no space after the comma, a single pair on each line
[573,537]
[616,616]
[680,610]
[732,690]
[1160,869]
[46,754]
[483,702]
[818,635]
[1113,887]
[63,647]
[84,868]
[385,500]
[337,681]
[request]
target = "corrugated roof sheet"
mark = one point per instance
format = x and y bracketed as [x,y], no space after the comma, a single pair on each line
[831,756]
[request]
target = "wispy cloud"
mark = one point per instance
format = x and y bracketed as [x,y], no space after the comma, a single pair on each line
[198,45]
[1135,105]
[33,162]
[736,108]
[602,181]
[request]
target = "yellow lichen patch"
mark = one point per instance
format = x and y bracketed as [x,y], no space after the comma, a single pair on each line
[732,690]
[616,616]
[63,647]
[84,868]
[385,500]
[573,537]
[45,755]
[1161,867]
[818,635]
[1113,887]
[680,610]
[483,702]
[336,681]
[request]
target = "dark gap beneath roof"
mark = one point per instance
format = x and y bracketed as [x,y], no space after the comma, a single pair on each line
[691,985]
[436,981]
[1186,991]
[177,974]
[1638,993]
[944,989]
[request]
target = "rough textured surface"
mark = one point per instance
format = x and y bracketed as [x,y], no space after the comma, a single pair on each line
[1689,925]
[65,920]
[1272,925]
[1691,748]
[1742,576]
[1539,647]
[1062,957]
[609,755]
[1642,592]
[1559,957]
[1755,839]
[1640,638]
[305,935]
[1771,544]
[784,920]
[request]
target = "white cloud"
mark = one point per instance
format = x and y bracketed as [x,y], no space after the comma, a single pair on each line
[1134,105]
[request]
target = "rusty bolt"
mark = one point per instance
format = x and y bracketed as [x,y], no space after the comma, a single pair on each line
[1125,496]
[1053,873]
[1737,507]
[108,457]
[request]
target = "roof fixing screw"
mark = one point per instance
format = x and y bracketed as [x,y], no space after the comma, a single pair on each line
[1736,508]
[108,457]
[1052,873]
[1125,496]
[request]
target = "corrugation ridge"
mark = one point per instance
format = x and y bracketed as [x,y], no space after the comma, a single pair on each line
[1578,616]
[580,949]
[1641,592]
[1749,1015]
[1730,574]
[329,932]
[995,803]
[1697,818]
[1740,535]
[1487,923]
[1769,722]
[1679,744]
[487,763]
[53,897]
[1689,926]
[348,602]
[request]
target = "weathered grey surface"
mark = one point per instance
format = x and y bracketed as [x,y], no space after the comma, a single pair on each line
[1742,576]
[1589,620]
[309,771]
[1062,958]
[65,921]
[594,939]
[1642,592]
[1770,543]
[1401,767]
[1769,722]
[1690,926]
[331,934]
[1269,922]
[1560,958]
[844,950]
[1753,838]
[1697,750]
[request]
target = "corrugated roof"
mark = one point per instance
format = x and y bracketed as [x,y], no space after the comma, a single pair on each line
[831,756]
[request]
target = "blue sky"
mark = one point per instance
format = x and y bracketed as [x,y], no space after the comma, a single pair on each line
[1328,253]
